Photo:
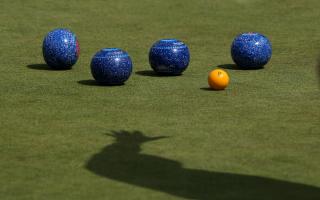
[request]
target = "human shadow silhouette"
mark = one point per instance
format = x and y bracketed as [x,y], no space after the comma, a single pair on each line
[122,161]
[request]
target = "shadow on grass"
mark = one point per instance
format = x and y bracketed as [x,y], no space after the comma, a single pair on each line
[235,67]
[91,82]
[39,67]
[44,67]
[154,74]
[318,69]
[210,89]
[123,161]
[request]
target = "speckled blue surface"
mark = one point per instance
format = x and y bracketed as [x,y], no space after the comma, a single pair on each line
[251,50]
[60,49]
[169,56]
[111,66]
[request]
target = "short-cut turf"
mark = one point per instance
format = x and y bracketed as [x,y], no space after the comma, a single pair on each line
[260,133]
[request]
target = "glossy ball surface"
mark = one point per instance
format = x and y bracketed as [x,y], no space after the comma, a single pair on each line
[251,50]
[218,79]
[60,49]
[111,66]
[169,57]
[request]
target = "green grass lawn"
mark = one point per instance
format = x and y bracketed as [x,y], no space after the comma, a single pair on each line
[65,138]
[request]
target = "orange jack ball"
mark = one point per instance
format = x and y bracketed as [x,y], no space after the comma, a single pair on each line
[218,79]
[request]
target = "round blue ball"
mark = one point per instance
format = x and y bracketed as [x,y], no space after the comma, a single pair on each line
[251,50]
[111,66]
[60,49]
[169,57]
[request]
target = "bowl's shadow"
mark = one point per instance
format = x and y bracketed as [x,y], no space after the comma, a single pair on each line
[39,67]
[235,67]
[91,82]
[44,67]
[154,74]
[318,69]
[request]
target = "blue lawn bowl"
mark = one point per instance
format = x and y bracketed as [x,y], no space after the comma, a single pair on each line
[60,49]
[251,50]
[169,57]
[111,66]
